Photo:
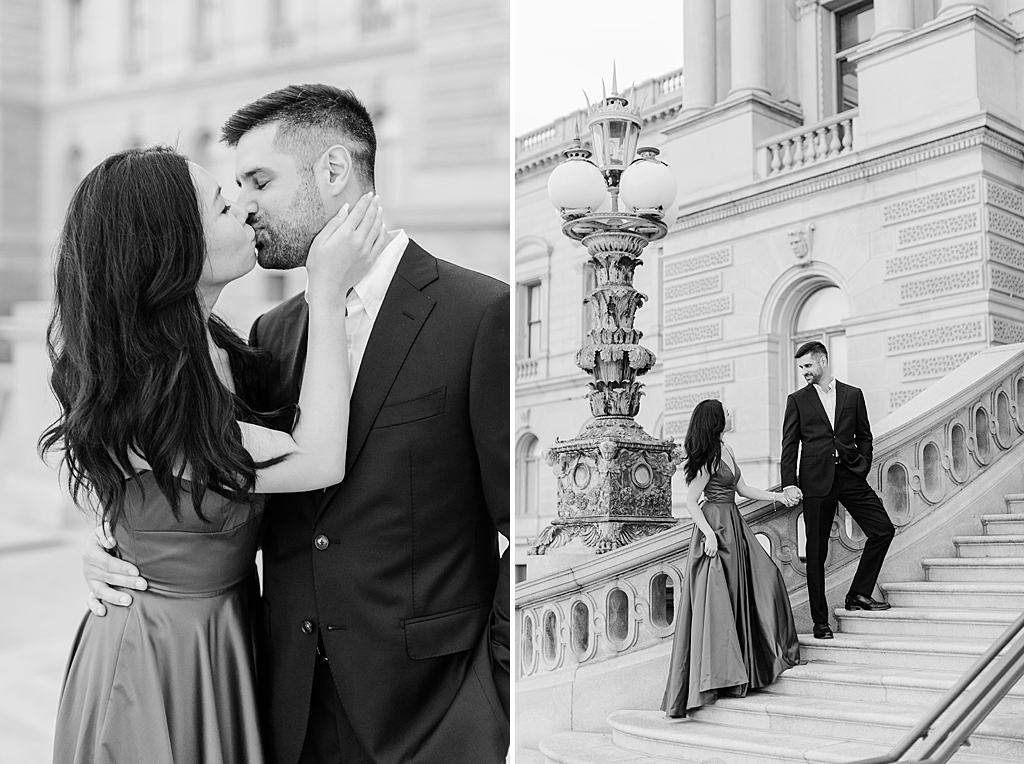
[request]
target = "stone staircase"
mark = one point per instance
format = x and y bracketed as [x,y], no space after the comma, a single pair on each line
[858,694]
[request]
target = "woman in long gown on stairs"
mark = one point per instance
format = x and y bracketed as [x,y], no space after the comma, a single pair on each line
[734,625]
[153,437]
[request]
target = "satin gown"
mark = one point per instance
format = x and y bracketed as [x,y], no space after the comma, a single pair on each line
[734,626]
[171,678]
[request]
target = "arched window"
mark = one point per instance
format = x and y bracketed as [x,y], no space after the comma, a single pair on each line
[528,475]
[820,317]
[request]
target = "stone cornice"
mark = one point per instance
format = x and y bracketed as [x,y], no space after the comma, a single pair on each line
[723,109]
[983,136]
[945,24]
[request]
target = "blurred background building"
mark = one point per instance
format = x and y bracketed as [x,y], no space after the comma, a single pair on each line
[80,79]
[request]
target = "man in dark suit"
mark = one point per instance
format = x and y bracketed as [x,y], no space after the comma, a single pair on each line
[827,421]
[385,604]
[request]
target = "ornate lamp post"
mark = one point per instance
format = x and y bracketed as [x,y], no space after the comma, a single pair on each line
[614,480]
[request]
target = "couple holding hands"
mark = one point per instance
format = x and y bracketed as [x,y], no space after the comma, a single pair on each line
[734,627]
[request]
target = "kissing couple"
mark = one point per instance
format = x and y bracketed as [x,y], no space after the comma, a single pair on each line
[359,438]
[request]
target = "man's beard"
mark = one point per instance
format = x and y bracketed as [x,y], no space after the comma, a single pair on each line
[283,243]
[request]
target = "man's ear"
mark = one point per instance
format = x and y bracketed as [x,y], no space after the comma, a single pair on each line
[336,169]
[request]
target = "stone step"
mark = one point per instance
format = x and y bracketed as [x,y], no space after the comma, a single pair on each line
[1014,502]
[887,724]
[902,650]
[1001,525]
[588,748]
[879,684]
[990,546]
[958,594]
[531,756]
[935,622]
[649,734]
[1010,569]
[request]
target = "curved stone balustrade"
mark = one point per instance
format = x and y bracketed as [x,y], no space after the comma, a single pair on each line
[809,145]
[924,453]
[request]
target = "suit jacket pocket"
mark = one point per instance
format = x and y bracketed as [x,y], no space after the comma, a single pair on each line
[413,410]
[452,631]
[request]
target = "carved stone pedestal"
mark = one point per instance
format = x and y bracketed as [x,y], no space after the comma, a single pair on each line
[614,486]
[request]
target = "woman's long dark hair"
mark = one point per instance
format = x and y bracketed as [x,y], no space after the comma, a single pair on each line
[128,343]
[703,442]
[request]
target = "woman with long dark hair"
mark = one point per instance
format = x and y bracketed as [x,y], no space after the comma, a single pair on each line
[734,627]
[154,435]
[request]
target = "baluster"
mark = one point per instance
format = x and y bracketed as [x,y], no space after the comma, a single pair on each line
[775,161]
[847,135]
[822,143]
[834,146]
[798,151]
[806,151]
[787,154]
[810,148]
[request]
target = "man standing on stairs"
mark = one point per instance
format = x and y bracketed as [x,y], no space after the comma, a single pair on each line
[829,420]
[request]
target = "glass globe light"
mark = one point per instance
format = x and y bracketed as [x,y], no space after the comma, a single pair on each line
[576,184]
[648,183]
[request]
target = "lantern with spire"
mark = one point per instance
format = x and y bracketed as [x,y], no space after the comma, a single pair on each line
[614,479]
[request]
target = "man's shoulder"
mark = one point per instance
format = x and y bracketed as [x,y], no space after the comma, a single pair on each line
[468,285]
[799,393]
[284,313]
[847,388]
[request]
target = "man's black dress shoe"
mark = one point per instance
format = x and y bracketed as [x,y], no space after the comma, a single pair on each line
[822,631]
[860,602]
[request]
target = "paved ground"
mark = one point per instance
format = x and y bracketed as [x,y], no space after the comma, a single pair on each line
[42,601]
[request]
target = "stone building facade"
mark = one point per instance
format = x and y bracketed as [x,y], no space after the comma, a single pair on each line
[851,172]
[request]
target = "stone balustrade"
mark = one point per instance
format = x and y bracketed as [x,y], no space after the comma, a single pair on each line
[650,95]
[925,453]
[527,368]
[808,145]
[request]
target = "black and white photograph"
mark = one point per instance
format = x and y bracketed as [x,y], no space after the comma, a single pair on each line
[255,381]
[768,435]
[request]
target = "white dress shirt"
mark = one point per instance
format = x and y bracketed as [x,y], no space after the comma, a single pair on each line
[828,400]
[365,298]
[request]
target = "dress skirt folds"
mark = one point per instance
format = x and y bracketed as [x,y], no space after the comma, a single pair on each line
[734,626]
[171,678]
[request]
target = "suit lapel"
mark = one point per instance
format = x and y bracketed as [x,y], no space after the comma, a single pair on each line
[817,405]
[840,398]
[402,315]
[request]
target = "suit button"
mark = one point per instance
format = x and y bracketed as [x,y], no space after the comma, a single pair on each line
[321,542]
[307,627]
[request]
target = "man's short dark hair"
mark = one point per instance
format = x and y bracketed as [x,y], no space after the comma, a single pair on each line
[311,119]
[813,348]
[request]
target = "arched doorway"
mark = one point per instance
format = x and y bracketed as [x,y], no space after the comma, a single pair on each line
[819,317]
